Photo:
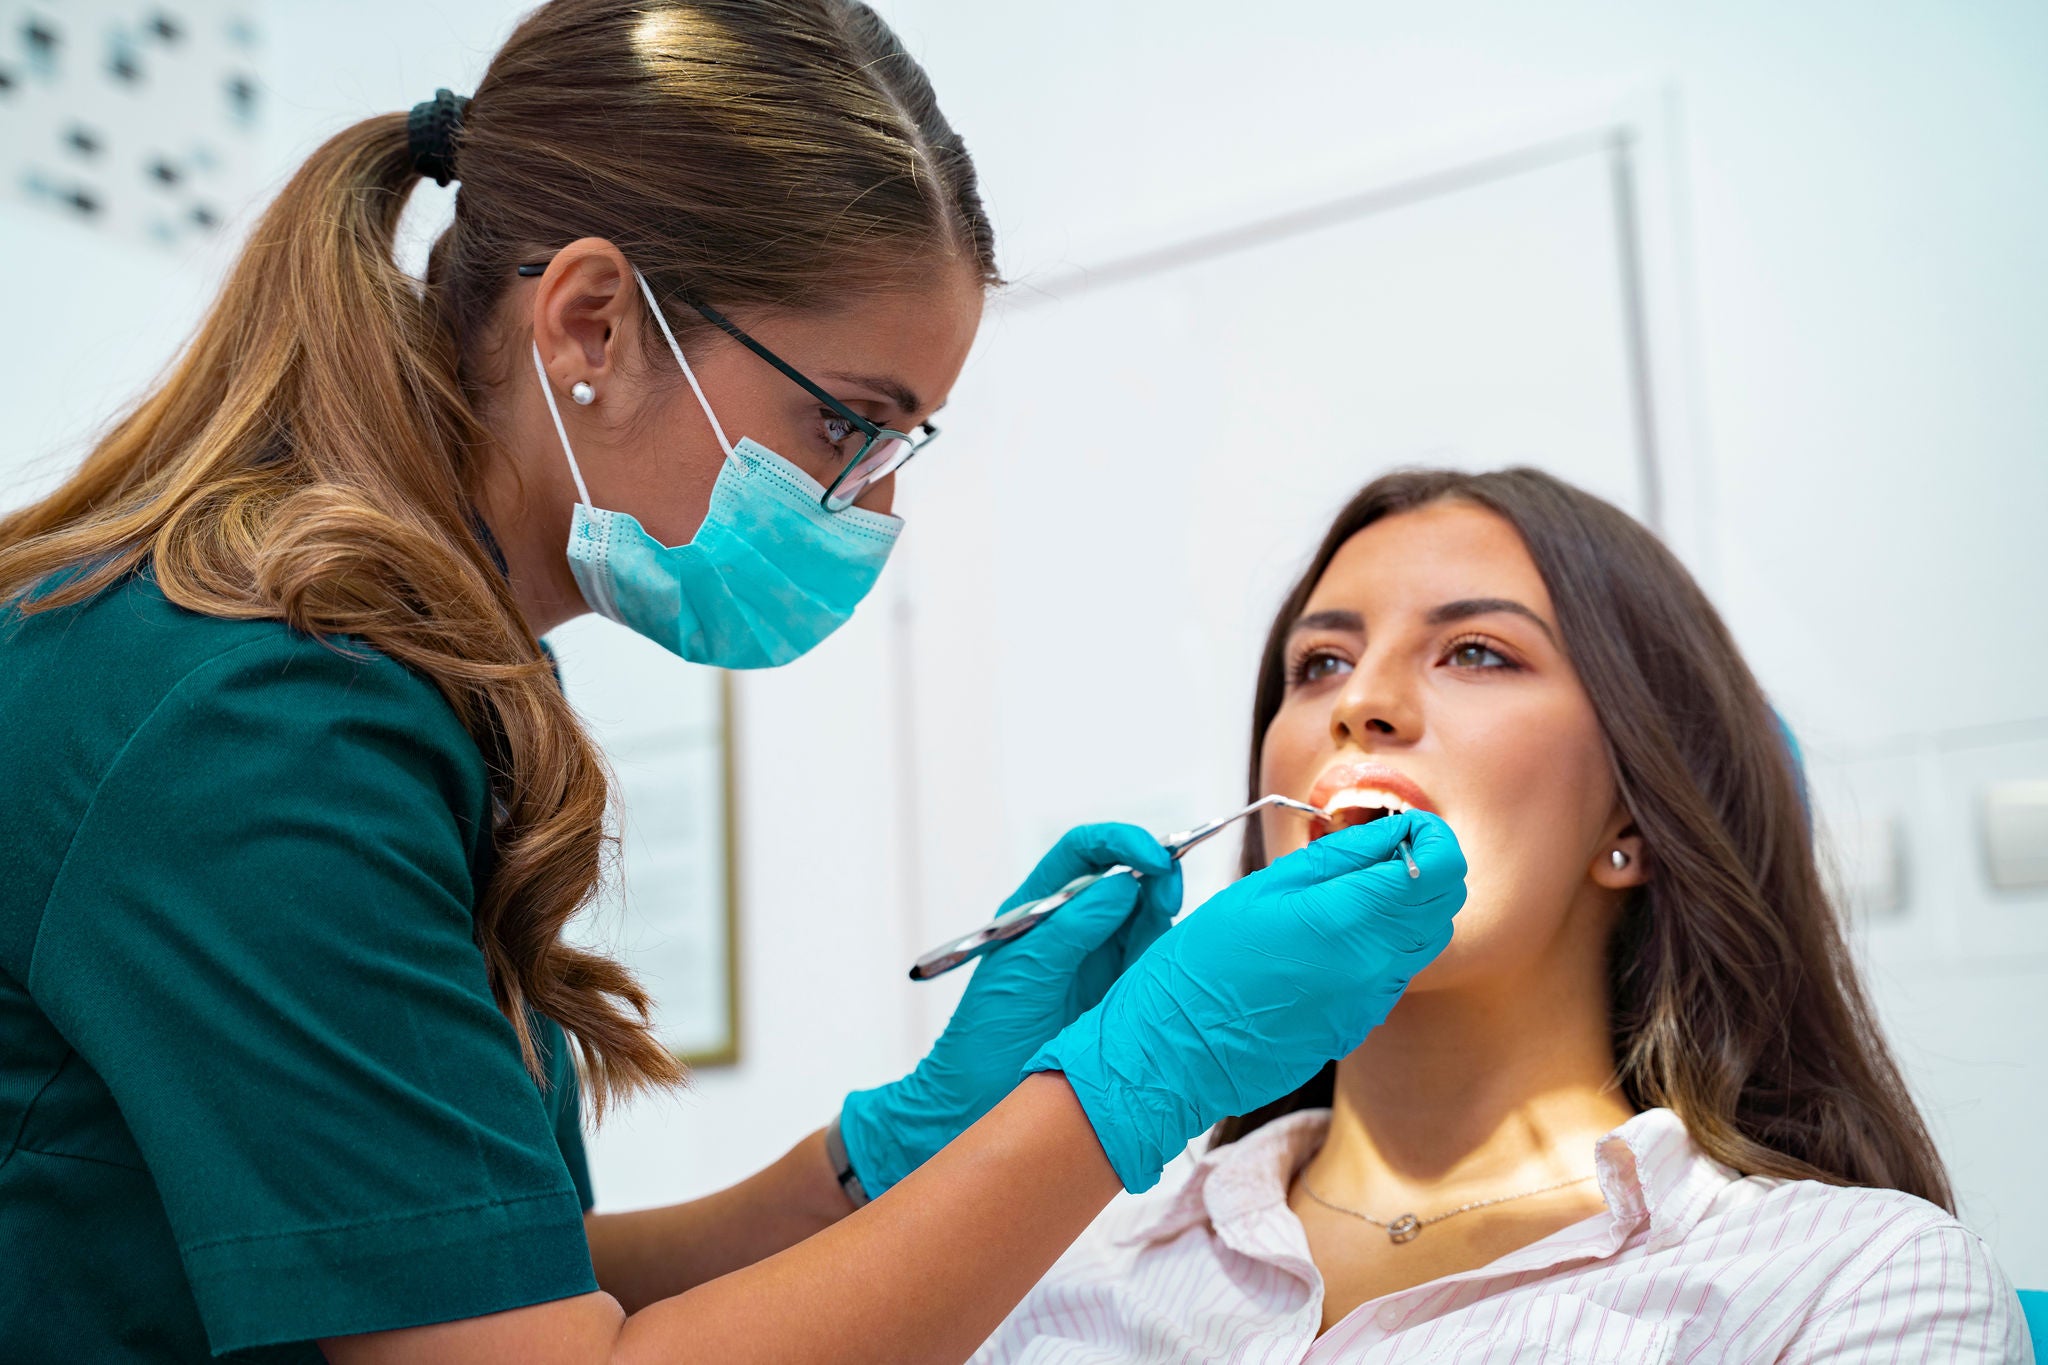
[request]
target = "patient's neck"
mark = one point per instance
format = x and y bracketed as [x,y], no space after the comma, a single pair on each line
[1475,1091]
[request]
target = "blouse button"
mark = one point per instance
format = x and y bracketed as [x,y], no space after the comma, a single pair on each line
[1389,1316]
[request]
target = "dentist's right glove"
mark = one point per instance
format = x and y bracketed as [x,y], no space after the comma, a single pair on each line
[1249,996]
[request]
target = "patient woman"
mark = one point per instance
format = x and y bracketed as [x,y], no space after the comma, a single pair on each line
[1638,1110]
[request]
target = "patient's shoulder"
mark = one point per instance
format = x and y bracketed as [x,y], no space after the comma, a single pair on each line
[1909,1271]
[1853,1220]
[1865,1267]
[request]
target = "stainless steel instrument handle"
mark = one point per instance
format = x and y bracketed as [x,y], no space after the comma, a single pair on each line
[1023,918]
[1006,926]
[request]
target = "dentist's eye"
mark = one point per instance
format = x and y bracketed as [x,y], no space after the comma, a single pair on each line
[1472,653]
[838,431]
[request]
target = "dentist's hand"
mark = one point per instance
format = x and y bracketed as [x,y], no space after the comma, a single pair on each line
[1247,998]
[1023,993]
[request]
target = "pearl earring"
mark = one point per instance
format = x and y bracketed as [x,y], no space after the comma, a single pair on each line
[583,394]
[1619,859]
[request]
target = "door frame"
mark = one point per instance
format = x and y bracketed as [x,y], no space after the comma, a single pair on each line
[1636,132]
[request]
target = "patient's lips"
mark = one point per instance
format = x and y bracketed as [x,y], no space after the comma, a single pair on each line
[1355,793]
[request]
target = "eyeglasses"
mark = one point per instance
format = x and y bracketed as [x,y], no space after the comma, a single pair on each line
[883,450]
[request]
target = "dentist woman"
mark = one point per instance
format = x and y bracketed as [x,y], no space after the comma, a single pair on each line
[291,1045]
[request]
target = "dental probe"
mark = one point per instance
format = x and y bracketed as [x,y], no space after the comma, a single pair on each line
[1021,919]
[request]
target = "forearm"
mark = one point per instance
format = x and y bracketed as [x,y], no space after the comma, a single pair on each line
[654,1254]
[924,1273]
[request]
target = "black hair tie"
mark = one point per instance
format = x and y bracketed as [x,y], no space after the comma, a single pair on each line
[430,132]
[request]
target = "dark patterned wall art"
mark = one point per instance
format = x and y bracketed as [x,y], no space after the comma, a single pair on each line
[133,119]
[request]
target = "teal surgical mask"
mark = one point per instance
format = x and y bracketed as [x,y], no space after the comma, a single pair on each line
[767,576]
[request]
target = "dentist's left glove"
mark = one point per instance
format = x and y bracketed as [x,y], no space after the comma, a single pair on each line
[1023,993]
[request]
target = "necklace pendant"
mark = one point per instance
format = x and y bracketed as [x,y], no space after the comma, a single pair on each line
[1406,1228]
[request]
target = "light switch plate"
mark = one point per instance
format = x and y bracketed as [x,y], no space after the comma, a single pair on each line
[2016,834]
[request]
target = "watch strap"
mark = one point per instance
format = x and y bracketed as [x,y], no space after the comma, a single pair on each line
[842,1165]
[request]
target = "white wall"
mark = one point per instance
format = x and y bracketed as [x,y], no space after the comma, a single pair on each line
[1856,199]
[1857,204]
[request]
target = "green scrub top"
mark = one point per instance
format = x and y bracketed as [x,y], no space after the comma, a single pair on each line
[254,1090]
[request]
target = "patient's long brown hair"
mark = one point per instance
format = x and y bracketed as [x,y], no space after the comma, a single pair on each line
[1734,1000]
[312,455]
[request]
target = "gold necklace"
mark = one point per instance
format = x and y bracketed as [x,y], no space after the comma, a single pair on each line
[1408,1227]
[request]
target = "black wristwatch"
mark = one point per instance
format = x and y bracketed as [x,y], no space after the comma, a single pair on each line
[842,1165]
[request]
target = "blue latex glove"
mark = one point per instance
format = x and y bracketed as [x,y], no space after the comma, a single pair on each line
[1247,998]
[1022,994]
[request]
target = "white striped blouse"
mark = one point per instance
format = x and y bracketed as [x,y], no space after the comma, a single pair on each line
[1690,1263]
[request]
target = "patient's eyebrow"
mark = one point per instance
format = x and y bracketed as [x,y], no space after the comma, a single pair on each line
[1330,620]
[1469,607]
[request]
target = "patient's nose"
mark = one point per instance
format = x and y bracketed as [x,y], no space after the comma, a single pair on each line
[1377,704]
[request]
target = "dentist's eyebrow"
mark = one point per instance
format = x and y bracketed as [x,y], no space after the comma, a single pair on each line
[1469,607]
[893,390]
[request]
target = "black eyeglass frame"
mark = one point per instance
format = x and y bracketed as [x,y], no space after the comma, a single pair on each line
[873,433]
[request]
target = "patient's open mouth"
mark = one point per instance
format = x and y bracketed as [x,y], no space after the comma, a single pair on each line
[1356,794]
[1358,806]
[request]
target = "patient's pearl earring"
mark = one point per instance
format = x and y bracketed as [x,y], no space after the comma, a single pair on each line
[583,394]
[1619,859]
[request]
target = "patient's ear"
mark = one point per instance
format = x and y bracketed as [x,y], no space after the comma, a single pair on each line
[1620,861]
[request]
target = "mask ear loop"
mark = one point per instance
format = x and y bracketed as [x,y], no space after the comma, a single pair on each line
[547,391]
[661,319]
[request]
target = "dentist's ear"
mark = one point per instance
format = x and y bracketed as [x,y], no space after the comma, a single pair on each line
[584,308]
[1621,861]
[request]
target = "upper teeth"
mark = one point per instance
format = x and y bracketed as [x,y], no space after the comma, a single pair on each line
[1367,796]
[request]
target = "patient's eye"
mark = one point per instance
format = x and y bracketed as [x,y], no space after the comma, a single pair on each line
[1473,653]
[1316,665]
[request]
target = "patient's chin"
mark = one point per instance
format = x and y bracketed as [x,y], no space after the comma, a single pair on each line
[1478,956]
[1442,974]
